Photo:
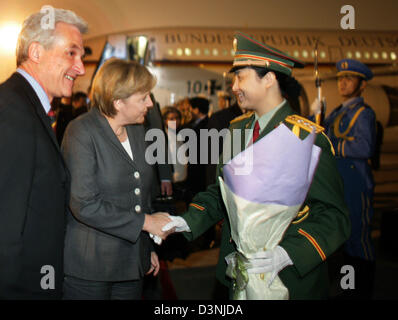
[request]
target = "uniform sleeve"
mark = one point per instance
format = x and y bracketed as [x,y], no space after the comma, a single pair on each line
[312,238]
[87,203]
[205,210]
[360,141]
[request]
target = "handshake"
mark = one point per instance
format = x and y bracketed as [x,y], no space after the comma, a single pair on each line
[161,224]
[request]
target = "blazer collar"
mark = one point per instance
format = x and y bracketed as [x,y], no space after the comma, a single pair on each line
[136,135]
[106,131]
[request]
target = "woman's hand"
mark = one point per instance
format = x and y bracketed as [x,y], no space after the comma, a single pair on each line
[155,266]
[155,222]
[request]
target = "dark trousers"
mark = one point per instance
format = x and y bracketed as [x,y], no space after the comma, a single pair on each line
[80,289]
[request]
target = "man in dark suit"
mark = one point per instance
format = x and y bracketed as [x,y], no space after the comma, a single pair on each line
[197,171]
[153,120]
[79,104]
[34,184]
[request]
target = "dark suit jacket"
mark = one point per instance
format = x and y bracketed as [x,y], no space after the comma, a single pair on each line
[33,196]
[154,120]
[197,172]
[109,195]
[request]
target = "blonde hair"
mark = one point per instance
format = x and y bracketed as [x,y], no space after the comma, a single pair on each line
[119,79]
[33,30]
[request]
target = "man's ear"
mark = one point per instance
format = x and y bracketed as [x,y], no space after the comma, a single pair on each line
[35,52]
[363,85]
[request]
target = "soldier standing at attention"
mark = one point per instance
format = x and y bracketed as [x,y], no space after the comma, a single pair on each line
[261,75]
[351,128]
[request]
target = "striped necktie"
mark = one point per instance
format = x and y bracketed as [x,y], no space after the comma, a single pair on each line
[53,119]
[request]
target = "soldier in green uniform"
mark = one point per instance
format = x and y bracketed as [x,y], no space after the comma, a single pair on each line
[322,225]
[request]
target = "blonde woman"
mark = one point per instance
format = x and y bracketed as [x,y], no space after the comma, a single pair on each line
[107,248]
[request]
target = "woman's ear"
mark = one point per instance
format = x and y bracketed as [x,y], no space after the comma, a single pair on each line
[117,104]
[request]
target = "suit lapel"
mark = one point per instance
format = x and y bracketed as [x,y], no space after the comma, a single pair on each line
[38,108]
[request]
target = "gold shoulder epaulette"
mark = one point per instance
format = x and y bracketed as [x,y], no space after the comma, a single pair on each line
[304,123]
[242,117]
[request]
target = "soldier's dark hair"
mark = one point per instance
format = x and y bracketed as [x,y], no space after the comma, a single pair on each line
[288,85]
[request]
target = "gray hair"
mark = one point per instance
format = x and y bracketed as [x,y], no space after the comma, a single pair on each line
[36,29]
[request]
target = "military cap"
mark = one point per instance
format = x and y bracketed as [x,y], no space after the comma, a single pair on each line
[250,52]
[353,67]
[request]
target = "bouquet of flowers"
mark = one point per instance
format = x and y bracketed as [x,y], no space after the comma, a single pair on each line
[262,202]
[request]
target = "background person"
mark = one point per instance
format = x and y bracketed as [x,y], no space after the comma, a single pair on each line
[223,99]
[172,123]
[64,115]
[351,128]
[79,104]
[163,188]
[107,252]
[187,118]
[197,171]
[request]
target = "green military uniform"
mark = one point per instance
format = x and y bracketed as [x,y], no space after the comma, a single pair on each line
[317,231]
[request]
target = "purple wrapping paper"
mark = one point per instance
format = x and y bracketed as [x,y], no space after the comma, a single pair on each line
[281,167]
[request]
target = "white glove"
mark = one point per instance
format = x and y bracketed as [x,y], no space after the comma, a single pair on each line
[315,106]
[269,261]
[177,222]
[156,239]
